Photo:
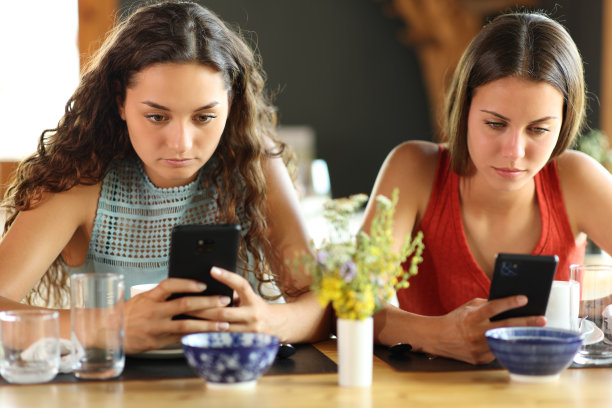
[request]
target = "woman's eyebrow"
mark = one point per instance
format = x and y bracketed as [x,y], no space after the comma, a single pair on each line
[495,114]
[162,107]
[545,118]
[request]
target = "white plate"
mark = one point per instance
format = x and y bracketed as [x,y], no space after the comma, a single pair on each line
[173,351]
[592,334]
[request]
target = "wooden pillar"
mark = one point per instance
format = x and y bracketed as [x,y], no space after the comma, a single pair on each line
[440,30]
[606,70]
[96,18]
[7,172]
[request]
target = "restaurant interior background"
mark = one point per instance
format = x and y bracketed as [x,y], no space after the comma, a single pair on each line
[358,77]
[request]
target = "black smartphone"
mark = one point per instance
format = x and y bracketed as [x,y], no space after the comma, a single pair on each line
[195,248]
[529,275]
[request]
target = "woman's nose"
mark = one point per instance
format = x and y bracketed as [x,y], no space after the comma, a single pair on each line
[181,138]
[514,145]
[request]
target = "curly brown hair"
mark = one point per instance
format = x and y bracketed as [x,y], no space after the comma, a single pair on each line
[91,133]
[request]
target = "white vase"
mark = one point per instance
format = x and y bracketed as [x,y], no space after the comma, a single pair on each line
[355,352]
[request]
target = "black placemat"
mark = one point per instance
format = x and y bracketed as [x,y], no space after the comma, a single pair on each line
[306,360]
[419,362]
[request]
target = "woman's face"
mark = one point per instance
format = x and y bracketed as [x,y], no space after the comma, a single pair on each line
[175,116]
[513,127]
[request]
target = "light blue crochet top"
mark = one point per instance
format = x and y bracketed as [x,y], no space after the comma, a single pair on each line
[134,219]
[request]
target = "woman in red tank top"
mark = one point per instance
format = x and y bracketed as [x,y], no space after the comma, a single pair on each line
[503,181]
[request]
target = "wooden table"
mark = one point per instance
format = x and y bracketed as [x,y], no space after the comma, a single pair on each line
[590,388]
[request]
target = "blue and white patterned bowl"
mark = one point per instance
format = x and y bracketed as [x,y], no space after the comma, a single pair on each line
[233,360]
[533,354]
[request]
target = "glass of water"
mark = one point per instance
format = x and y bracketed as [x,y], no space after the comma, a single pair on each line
[30,351]
[97,324]
[595,304]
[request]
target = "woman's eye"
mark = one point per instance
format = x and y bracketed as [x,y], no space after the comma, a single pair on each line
[205,118]
[495,125]
[539,130]
[154,117]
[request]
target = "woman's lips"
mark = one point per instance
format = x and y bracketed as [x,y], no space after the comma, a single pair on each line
[509,172]
[177,162]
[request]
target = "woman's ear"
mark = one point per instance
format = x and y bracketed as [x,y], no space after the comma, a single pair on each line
[120,101]
[230,100]
[120,107]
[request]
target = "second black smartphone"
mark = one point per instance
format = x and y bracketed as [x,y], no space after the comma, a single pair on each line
[195,248]
[529,275]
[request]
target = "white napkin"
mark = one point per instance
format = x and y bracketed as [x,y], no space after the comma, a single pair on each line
[69,352]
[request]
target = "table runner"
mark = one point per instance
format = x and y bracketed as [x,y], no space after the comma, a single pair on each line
[420,362]
[306,360]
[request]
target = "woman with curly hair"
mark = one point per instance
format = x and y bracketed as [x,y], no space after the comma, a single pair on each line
[169,125]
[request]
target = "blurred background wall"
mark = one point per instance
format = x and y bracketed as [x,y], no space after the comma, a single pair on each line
[346,69]
[363,75]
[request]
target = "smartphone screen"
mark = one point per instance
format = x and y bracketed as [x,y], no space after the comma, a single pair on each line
[195,248]
[529,275]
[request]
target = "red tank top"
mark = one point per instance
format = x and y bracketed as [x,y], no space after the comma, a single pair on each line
[449,275]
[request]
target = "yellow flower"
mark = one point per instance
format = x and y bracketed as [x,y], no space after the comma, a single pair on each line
[331,289]
[371,271]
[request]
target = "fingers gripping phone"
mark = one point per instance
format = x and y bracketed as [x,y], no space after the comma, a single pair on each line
[529,275]
[195,248]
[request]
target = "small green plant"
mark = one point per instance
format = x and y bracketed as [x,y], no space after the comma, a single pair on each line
[595,143]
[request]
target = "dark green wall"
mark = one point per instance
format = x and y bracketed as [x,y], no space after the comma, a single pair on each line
[583,21]
[338,66]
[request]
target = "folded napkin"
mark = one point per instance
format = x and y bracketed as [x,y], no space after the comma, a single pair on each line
[69,352]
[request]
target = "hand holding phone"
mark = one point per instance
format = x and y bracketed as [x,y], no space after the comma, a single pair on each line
[529,275]
[195,248]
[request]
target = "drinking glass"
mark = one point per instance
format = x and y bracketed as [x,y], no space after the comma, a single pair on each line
[97,324]
[30,351]
[595,300]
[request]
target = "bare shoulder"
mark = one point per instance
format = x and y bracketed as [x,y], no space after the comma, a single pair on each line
[412,165]
[411,168]
[578,170]
[37,236]
[76,206]
[587,193]
[80,194]
[417,153]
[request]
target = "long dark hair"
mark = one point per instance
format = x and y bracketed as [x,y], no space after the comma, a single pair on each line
[525,45]
[91,133]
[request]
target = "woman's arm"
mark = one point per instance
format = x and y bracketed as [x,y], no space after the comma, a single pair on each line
[587,192]
[35,240]
[458,334]
[301,318]
[411,168]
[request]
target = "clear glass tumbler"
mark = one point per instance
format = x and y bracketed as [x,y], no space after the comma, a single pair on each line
[30,351]
[97,326]
[595,313]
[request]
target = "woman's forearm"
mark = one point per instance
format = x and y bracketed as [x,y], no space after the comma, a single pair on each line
[301,320]
[393,325]
[64,314]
